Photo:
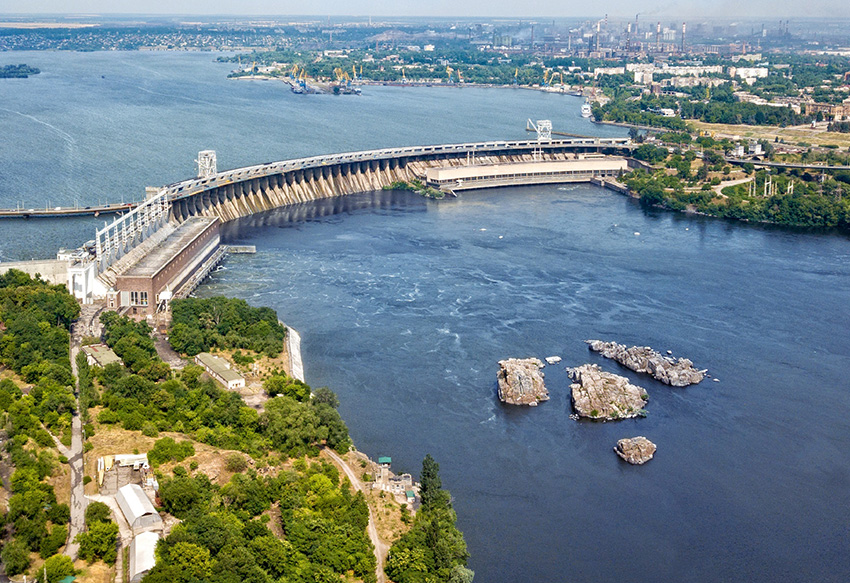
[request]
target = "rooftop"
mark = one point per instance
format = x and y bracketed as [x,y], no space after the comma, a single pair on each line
[102,354]
[219,366]
[158,257]
[385,460]
[467,172]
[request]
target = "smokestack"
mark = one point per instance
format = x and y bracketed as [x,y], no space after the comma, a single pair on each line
[629,37]
[658,36]
[683,37]
[597,35]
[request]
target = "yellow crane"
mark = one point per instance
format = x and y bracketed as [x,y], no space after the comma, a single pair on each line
[449,71]
[294,72]
[459,76]
[354,71]
[546,77]
[403,77]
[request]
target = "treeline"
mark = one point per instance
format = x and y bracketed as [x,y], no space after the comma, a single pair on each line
[200,324]
[839,126]
[34,342]
[433,550]
[17,71]
[224,537]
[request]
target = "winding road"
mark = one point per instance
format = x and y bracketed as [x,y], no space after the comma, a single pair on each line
[381,548]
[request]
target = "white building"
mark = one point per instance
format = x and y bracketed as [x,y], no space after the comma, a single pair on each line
[219,369]
[142,555]
[137,507]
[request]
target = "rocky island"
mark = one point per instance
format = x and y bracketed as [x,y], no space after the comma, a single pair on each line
[643,359]
[601,395]
[635,450]
[521,382]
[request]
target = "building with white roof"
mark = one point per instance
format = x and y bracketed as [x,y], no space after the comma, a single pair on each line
[142,555]
[137,507]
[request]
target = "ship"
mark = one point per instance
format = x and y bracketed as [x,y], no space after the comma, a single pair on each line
[586,110]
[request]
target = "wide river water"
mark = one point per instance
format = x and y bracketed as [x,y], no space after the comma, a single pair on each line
[405,306]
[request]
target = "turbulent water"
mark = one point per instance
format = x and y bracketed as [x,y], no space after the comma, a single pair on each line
[405,305]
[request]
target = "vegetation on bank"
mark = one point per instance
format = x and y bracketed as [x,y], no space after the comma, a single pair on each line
[225,323]
[225,533]
[34,341]
[17,71]
[433,550]
[810,204]
[418,187]
[291,521]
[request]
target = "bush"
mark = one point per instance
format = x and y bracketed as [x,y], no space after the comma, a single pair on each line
[57,568]
[235,463]
[150,430]
[166,449]
[86,480]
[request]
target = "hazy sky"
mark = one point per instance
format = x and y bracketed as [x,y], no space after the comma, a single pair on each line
[727,9]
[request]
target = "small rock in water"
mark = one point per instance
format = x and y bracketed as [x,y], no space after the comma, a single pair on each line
[553,359]
[521,382]
[637,234]
[716,380]
[604,396]
[635,450]
[669,352]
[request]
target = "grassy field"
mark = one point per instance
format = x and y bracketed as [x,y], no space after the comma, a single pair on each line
[791,135]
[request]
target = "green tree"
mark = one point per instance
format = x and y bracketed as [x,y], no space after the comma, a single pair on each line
[16,557]
[430,484]
[98,542]
[97,512]
[57,568]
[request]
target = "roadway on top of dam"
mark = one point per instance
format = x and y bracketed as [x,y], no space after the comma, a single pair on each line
[186,188]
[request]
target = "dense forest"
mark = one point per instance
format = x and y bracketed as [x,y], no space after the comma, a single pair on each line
[201,324]
[198,407]
[225,537]
[34,341]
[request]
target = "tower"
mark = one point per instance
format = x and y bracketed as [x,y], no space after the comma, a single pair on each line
[683,38]
[206,164]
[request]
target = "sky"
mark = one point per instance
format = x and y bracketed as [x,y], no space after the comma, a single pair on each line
[726,9]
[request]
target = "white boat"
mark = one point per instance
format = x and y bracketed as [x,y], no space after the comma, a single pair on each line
[586,110]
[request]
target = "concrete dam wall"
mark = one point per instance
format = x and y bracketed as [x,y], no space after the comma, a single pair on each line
[240,193]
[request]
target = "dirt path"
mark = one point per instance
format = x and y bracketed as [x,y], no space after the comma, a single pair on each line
[718,188]
[381,548]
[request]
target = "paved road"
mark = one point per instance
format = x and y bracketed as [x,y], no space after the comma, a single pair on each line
[83,326]
[381,548]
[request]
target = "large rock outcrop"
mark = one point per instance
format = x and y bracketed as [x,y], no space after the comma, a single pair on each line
[605,396]
[643,359]
[635,450]
[521,382]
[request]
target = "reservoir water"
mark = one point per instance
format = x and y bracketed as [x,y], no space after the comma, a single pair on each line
[405,306]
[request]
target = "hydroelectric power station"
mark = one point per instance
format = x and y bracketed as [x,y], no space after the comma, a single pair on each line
[165,246]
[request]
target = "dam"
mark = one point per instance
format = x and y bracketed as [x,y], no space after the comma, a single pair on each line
[156,251]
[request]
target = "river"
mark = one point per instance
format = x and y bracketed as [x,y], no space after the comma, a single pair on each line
[405,305]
